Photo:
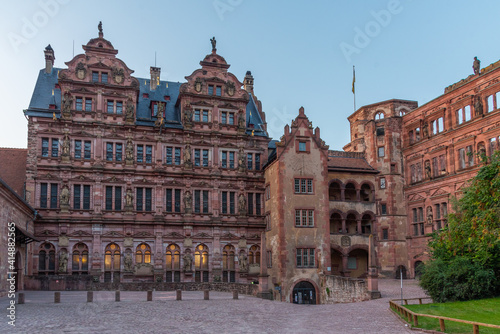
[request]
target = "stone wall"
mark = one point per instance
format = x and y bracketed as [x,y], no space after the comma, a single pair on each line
[85,282]
[338,289]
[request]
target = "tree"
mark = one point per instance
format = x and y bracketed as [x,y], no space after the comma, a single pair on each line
[465,255]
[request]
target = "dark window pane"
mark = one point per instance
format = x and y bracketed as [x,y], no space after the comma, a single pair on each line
[257,204]
[109,151]
[140,151]
[95,76]
[110,107]
[109,198]
[231,159]
[169,201]
[197,201]
[177,156]
[45,147]
[53,196]
[205,201]
[119,107]
[249,161]
[148,199]
[177,200]
[87,149]
[250,204]
[76,196]
[149,154]
[224,202]
[232,196]
[210,90]
[138,198]
[257,161]
[88,105]
[218,90]
[205,158]
[86,197]
[55,147]
[205,116]
[79,104]
[78,149]
[118,198]
[169,156]
[43,195]
[104,77]
[118,153]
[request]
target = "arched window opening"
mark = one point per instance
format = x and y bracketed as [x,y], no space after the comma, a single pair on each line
[351,224]
[350,192]
[366,224]
[143,253]
[366,193]
[201,263]
[112,261]
[334,192]
[228,260]
[47,259]
[254,255]
[80,259]
[173,263]
[379,115]
[335,223]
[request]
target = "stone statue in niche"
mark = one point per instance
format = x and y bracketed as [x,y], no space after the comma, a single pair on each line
[64,197]
[127,262]
[478,106]
[242,120]
[188,262]
[242,204]
[187,156]
[427,166]
[429,215]
[67,103]
[241,160]
[187,202]
[129,198]
[65,146]
[476,66]
[243,260]
[63,262]
[129,152]
[129,112]
[425,130]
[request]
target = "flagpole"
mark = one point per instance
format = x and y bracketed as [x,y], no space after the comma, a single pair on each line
[353,89]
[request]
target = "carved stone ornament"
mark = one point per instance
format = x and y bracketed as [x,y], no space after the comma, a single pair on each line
[129,111]
[198,84]
[117,75]
[345,241]
[81,71]
[230,88]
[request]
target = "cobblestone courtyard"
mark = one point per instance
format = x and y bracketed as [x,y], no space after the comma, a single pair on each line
[220,314]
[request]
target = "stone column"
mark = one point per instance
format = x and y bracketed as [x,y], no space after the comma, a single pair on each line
[358,222]
[344,229]
[344,265]
[372,278]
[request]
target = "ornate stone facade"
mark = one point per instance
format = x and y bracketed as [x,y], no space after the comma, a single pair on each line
[133,177]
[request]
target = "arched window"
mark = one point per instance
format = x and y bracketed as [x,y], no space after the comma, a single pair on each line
[47,258]
[112,257]
[254,255]
[173,263]
[228,256]
[334,192]
[80,258]
[350,192]
[366,193]
[143,253]
[366,224]
[351,224]
[201,263]
[335,223]
[379,115]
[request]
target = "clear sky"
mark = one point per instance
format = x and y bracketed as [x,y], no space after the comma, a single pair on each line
[300,53]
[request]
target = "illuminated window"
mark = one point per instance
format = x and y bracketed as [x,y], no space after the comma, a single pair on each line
[80,258]
[173,263]
[201,263]
[228,264]
[143,254]
[112,257]
[254,255]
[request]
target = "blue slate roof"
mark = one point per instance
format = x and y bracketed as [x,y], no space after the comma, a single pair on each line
[42,94]
[42,97]
[166,88]
[253,117]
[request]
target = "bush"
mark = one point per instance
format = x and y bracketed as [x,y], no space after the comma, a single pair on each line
[457,280]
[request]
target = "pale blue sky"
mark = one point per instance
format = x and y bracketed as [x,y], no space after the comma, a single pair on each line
[293,48]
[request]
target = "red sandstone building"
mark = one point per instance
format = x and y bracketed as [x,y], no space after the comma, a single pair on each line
[143,180]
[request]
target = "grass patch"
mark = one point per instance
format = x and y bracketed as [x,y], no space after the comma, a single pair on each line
[483,310]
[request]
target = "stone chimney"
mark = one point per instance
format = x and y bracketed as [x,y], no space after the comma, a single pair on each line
[248,82]
[49,59]
[155,77]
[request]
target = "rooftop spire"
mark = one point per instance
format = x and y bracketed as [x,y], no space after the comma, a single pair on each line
[99,26]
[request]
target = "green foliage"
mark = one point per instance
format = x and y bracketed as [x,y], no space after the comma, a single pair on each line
[465,260]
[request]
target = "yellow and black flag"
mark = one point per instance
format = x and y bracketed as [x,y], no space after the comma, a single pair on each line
[353,79]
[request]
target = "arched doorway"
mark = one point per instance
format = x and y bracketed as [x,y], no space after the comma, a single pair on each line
[419,267]
[401,271]
[19,271]
[304,293]
[336,260]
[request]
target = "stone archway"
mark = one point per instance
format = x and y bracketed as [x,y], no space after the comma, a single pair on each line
[304,293]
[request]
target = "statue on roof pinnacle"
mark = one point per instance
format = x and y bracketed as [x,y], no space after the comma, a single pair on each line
[214,42]
[99,26]
[476,66]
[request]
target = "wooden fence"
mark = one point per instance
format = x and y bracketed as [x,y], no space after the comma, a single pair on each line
[413,317]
